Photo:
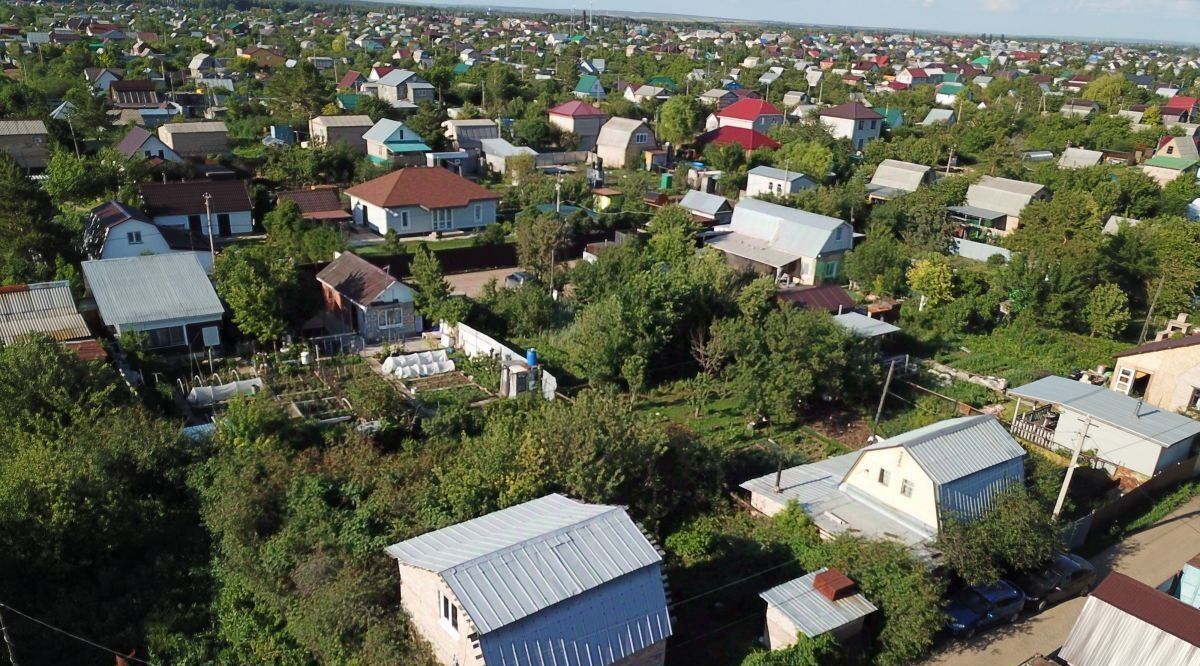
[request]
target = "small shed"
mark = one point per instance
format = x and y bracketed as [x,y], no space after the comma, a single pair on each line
[820,602]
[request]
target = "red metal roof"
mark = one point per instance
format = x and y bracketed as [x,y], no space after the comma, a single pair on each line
[318,203]
[428,187]
[749,109]
[349,79]
[828,297]
[576,109]
[1150,606]
[1181,102]
[746,138]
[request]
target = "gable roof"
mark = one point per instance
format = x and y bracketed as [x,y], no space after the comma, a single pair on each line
[318,203]
[778,174]
[41,308]
[1002,195]
[586,84]
[187,197]
[749,109]
[620,131]
[704,203]
[151,288]
[748,139]
[898,175]
[1124,621]
[956,448]
[810,611]
[851,111]
[513,563]
[428,187]
[576,109]
[132,143]
[356,278]
[1108,406]
[789,231]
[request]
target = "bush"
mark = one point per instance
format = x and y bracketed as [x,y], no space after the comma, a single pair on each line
[695,542]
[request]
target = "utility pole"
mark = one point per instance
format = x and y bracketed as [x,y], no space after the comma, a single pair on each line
[12,649]
[212,244]
[1062,494]
[1150,312]
[887,383]
[74,140]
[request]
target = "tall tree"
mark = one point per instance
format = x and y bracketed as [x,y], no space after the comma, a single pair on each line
[263,289]
[679,120]
[434,298]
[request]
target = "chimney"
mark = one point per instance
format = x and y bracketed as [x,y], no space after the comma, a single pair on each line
[834,585]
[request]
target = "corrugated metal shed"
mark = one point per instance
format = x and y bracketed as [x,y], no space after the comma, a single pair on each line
[1116,409]
[812,612]
[45,307]
[864,326]
[150,289]
[1002,194]
[550,571]
[1126,622]
[957,448]
[704,203]
[897,175]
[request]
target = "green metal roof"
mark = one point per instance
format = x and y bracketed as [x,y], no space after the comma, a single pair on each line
[462,68]
[893,117]
[402,147]
[586,83]
[949,88]
[348,101]
[983,61]
[1168,162]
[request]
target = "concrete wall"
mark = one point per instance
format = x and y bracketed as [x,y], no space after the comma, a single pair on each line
[239,222]
[864,476]
[781,633]
[1174,375]
[420,220]
[195,144]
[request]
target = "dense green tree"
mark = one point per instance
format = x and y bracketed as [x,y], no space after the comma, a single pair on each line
[1107,310]
[302,240]
[541,239]
[679,119]
[808,157]
[1016,534]
[879,264]
[805,652]
[932,278]
[263,290]
[433,296]
[297,91]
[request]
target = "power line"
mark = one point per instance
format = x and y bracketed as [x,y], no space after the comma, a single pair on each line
[78,638]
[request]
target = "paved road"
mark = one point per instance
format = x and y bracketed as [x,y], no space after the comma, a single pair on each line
[1151,557]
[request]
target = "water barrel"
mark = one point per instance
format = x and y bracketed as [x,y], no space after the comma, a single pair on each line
[531,357]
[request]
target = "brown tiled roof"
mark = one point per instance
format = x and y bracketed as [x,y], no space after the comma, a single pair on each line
[320,203]
[1162,345]
[187,198]
[428,187]
[852,111]
[1151,606]
[356,278]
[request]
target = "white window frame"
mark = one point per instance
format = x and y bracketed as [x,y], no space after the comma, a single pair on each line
[391,318]
[641,138]
[447,614]
[906,487]
[133,237]
[443,219]
[884,477]
[1125,377]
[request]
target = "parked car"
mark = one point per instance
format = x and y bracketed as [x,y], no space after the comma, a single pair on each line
[979,607]
[1064,577]
[514,280]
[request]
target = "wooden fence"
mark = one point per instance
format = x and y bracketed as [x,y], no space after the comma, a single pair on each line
[1131,504]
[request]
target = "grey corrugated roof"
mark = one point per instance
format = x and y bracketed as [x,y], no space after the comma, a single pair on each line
[21,127]
[1002,194]
[44,307]
[1079,158]
[151,288]
[810,611]
[898,175]
[344,121]
[956,448]
[194,127]
[975,211]
[788,231]
[777,174]
[969,249]
[864,326]
[513,563]
[703,202]
[1116,409]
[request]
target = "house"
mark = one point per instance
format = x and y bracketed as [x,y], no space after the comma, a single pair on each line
[1164,373]
[939,117]
[421,200]
[794,246]
[200,207]
[467,134]
[622,141]
[901,488]
[1079,108]
[1124,621]
[767,180]
[262,58]
[894,178]
[758,115]
[27,141]
[854,121]
[196,140]
[135,94]
[1164,169]
[496,153]
[643,93]
[552,580]
[707,209]
[46,308]
[994,204]
[165,297]
[1188,108]
[401,88]
[820,602]
[114,230]
[102,77]
[392,143]
[1079,158]
[946,94]
[589,87]
[1184,147]
[319,204]
[581,119]
[352,80]
[328,130]
[1130,438]
[367,300]
[201,65]
[718,98]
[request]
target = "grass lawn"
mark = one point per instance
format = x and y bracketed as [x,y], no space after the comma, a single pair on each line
[410,247]
[1022,354]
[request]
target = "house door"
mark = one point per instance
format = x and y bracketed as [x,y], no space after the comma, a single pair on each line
[194,224]
[223,227]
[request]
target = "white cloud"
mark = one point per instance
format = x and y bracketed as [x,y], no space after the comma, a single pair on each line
[1001,5]
[1144,7]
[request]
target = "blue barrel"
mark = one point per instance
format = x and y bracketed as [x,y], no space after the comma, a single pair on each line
[531,357]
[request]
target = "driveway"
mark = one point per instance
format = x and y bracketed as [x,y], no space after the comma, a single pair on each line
[471,284]
[1151,556]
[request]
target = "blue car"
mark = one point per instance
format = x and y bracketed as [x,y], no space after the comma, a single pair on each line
[982,606]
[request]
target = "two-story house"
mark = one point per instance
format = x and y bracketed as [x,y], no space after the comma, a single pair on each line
[792,245]
[902,487]
[758,115]
[392,143]
[401,88]
[854,121]
[421,200]
[328,130]
[368,300]
[115,230]
[581,119]
[622,141]
[201,207]
[550,581]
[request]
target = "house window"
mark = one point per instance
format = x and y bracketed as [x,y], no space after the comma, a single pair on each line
[906,488]
[165,337]
[134,238]
[391,318]
[478,213]
[831,269]
[837,235]
[873,124]
[862,124]
[147,153]
[1194,401]
[1170,150]
[443,218]
[1124,380]
[884,477]
[403,219]
[449,613]
[641,138]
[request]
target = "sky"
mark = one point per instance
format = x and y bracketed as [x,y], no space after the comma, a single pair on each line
[1158,20]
